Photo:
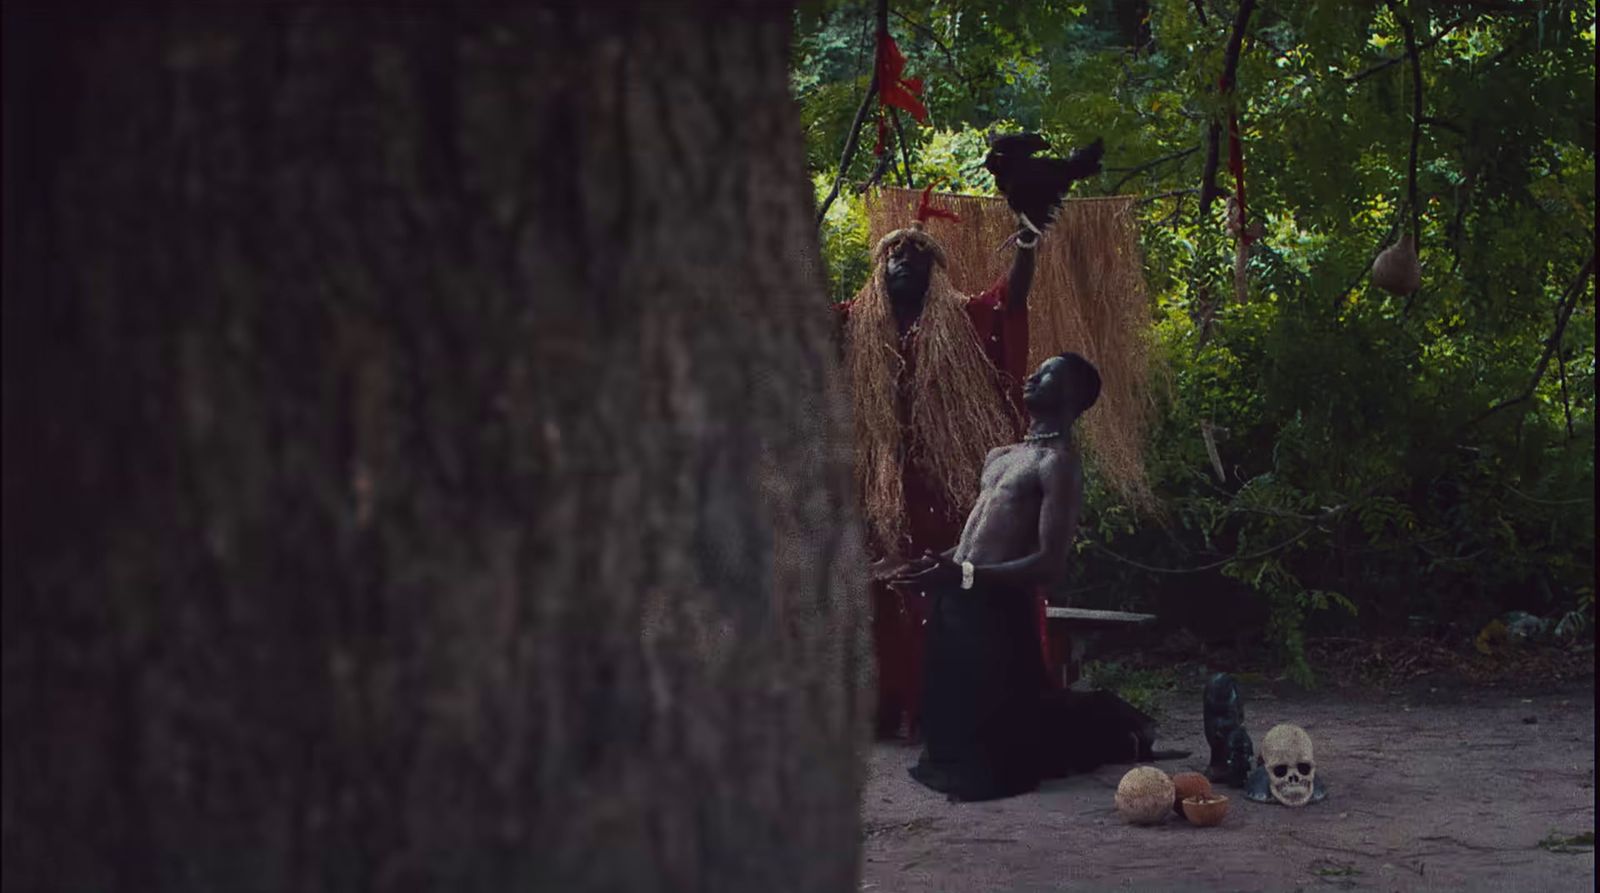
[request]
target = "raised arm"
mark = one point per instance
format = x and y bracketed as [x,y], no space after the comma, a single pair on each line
[1021,279]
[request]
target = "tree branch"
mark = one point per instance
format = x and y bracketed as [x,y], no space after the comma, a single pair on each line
[878,170]
[1442,123]
[1177,207]
[1144,200]
[1569,301]
[1208,175]
[1426,44]
[851,141]
[1566,400]
[1456,231]
[1213,565]
[1416,120]
[1412,52]
[1230,68]
[1510,7]
[849,146]
[905,148]
[1155,162]
[949,54]
[1383,243]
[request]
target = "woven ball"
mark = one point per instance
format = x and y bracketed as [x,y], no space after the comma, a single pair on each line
[1144,796]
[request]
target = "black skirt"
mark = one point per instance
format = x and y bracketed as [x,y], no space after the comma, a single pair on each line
[992,724]
[983,679]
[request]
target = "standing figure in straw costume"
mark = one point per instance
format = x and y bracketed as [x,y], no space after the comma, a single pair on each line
[935,379]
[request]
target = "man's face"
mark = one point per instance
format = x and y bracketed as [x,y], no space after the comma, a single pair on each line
[1046,389]
[907,270]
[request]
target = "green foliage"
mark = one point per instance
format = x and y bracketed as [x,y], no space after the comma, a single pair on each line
[1365,482]
[845,250]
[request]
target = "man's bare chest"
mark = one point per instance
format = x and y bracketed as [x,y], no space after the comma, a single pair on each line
[1015,470]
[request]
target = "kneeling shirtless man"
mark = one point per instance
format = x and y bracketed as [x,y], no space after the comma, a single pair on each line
[985,709]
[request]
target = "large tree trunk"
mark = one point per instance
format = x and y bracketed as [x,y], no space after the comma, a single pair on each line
[424,460]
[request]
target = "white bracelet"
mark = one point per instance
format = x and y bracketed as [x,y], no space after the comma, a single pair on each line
[966,574]
[1027,245]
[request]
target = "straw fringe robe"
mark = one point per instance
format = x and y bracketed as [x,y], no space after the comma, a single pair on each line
[898,618]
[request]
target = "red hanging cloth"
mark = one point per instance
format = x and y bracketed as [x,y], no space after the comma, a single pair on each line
[926,210]
[895,90]
[1236,164]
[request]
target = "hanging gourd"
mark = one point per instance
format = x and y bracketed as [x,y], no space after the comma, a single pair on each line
[1397,269]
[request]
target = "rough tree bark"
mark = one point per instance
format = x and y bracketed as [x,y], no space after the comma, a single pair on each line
[424,462]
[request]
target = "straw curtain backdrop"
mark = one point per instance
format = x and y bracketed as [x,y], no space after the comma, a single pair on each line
[1088,296]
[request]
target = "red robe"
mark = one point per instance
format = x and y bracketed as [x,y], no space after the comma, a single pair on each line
[931,524]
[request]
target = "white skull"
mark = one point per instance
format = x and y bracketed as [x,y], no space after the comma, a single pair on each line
[1291,770]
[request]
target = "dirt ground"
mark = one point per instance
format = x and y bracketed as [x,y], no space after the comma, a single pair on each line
[1429,789]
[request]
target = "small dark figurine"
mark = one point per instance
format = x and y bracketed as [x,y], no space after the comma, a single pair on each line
[1034,187]
[1224,716]
[1241,756]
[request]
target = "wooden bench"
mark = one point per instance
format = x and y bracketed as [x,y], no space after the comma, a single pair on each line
[1077,626]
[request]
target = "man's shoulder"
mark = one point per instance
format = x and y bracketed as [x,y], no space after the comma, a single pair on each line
[1064,463]
[1028,459]
[1000,452]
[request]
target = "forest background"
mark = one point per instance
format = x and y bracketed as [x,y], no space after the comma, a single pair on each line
[1389,465]
[395,499]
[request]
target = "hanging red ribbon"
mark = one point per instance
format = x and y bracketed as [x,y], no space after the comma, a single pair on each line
[926,210]
[895,90]
[1236,164]
[1236,159]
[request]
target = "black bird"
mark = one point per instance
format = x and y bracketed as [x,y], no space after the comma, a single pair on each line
[1034,187]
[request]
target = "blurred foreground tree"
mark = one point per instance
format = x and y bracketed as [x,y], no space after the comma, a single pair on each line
[423,466]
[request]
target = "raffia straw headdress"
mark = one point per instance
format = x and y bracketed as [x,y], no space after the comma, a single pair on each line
[956,413]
